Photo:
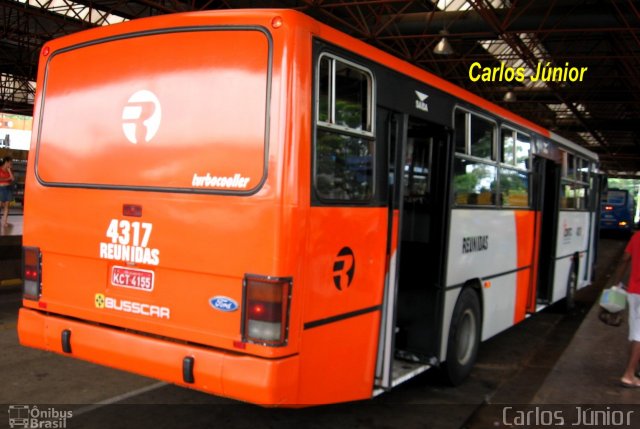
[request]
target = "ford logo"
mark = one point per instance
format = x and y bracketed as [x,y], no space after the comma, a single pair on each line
[223,303]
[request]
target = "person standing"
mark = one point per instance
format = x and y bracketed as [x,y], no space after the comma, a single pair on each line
[6,181]
[632,257]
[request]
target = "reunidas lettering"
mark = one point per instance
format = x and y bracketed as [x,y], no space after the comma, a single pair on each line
[475,244]
[129,242]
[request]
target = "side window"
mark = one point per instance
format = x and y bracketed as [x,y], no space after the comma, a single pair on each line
[352,97]
[514,169]
[344,146]
[523,150]
[475,170]
[583,171]
[324,85]
[482,138]
[507,154]
[344,167]
[460,122]
[569,166]
[575,182]
[474,182]
[514,187]
[417,168]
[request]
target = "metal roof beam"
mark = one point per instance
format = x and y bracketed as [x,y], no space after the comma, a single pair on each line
[537,19]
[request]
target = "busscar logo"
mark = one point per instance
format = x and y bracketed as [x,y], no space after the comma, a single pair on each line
[421,102]
[133,307]
[344,268]
[141,117]
[99,300]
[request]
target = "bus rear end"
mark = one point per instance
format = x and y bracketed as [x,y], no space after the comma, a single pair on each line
[618,211]
[157,239]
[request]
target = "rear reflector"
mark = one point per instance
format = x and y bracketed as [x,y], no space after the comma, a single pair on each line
[31,272]
[132,210]
[266,310]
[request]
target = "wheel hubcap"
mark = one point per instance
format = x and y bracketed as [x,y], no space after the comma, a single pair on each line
[466,337]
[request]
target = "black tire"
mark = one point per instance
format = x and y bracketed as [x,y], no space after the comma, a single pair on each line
[464,337]
[572,286]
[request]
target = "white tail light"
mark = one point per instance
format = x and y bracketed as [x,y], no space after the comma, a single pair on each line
[266,310]
[32,273]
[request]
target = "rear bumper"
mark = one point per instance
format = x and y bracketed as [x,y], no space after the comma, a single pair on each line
[247,378]
[613,226]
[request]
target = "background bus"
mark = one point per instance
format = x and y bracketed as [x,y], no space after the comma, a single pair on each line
[618,211]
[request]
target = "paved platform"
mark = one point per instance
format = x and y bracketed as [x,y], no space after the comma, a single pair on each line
[14,229]
[590,368]
[584,378]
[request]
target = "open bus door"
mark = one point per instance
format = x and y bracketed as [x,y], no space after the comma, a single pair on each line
[547,174]
[418,162]
[599,188]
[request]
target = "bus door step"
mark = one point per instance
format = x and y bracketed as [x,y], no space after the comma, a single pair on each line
[403,370]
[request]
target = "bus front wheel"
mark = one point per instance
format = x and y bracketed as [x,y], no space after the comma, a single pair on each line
[464,337]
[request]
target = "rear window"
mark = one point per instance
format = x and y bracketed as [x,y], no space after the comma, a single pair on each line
[184,111]
[616,198]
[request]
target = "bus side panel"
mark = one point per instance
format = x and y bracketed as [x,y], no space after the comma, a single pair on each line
[593,250]
[482,245]
[499,304]
[525,230]
[532,299]
[344,281]
[338,360]
[573,236]
[495,247]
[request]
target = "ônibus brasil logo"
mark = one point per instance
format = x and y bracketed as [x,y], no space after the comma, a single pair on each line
[31,416]
[141,116]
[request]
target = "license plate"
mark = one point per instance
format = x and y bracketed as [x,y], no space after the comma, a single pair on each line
[132,278]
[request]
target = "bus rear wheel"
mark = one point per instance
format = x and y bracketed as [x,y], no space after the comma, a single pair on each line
[464,337]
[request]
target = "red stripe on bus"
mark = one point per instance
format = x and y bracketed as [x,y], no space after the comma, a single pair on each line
[525,223]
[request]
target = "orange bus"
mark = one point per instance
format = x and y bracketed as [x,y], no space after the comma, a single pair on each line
[253,204]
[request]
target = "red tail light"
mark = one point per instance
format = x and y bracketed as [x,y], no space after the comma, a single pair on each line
[608,208]
[266,310]
[32,273]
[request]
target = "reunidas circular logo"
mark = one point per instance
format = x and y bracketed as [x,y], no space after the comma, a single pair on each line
[141,116]
[344,268]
